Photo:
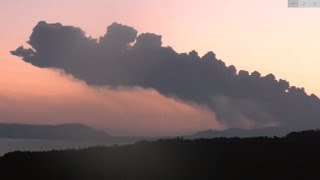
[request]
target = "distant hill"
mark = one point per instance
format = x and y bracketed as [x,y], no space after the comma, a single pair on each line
[74,132]
[241,133]
[84,132]
[52,132]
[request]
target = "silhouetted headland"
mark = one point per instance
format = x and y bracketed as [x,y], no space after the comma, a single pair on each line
[51,132]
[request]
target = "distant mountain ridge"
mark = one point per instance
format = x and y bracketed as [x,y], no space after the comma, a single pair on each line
[51,132]
[87,133]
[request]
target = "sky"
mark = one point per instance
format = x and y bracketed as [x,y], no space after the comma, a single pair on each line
[253,35]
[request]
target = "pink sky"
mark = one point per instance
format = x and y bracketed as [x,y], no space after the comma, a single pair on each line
[41,96]
[252,35]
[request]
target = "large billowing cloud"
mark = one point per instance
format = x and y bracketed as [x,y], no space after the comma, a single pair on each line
[121,58]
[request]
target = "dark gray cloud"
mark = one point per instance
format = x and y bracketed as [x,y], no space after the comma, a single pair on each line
[122,58]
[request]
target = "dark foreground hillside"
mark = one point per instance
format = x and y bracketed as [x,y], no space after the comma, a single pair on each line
[296,156]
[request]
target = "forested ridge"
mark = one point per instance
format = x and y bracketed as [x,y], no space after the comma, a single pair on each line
[295,156]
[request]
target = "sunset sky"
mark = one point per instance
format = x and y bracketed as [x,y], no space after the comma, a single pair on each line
[251,34]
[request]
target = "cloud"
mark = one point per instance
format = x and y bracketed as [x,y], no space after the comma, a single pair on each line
[122,58]
[242,113]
